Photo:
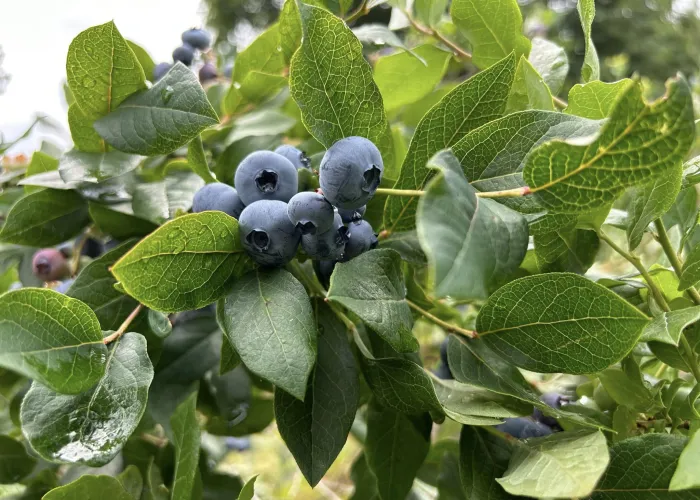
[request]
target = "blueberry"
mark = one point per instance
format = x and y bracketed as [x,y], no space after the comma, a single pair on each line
[228,70]
[311,213]
[523,428]
[268,235]
[184,54]
[329,245]
[443,370]
[352,214]
[350,172]
[50,265]
[323,270]
[197,38]
[362,239]
[555,401]
[265,175]
[218,196]
[238,443]
[160,70]
[297,157]
[207,73]
[63,286]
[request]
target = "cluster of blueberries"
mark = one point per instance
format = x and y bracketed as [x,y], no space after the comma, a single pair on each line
[193,40]
[274,219]
[536,425]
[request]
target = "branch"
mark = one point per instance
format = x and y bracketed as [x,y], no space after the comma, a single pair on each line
[444,324]
[124,326]
[458,51]
[506,193]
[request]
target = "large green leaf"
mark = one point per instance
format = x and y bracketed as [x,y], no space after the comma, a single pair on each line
[591,66]
[89,487]
[641,468]
[315,430]
[529,90]
[77,166]
[15,462]
[550,61]
[494,29]
[561,465]
[372,286]
[477,101]
[45,218]
[685,477]
[185,437]
[332,83]
[668,326]
[290,29]
[161,119]
[267,317]
[395,448]
[186,264]
[559,322]
[595,100]
[639,143]
[472,244]
[483,457]
[403,79]
[91,427]
[51,338]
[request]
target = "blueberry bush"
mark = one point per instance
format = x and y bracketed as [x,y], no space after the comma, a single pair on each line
[401,234]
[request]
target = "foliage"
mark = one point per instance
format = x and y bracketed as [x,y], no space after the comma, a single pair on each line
[505,217]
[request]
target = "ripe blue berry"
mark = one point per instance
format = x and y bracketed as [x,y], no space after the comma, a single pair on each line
[50,264]
[311,213]
[265,175]
[296,156]
[184,54]
[160,70]
[218,196]
[267,234]
[362,239]
[207,73]
[523,428]
[197,38]
[350,172]
[352,214]
[329,245]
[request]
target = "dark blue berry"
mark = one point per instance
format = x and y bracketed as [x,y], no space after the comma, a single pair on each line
[352,214]
[63,286]
[555,401]
[296,156]
[523,428]
[160,70]
[443,370]
[323,270]
[207,73]
[329,245]
[184,54]
[350,172]
[267,234]
[265,175]
[218,196]
[311,213]
[361,239]
[197,38]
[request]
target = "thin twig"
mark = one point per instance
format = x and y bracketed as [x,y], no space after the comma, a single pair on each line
[506,193]
[123,327]
[458,51]
[560,103]
[444,324]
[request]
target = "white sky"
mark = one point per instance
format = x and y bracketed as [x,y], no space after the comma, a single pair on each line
[35,35]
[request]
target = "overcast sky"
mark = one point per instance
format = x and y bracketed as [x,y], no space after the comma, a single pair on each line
[35,35]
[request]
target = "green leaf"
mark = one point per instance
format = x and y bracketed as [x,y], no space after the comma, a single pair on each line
[395,448]
[248,490]
[132,481]
[691,269]
[477,101]
[627,387]
[162,200]
[102,70]
[639,143]
[15,462]
[267,317]
[144,59]
[650,203]
[372,286]
[668,326]
[85,137]
[559,322]
[198,161]
[550,61]
[185,437]
[685,477]
[88,487]
[41,162]
[45,218]
[77,166]
[263,55]
[401,385]
[483,457]
[364,480]
[529,90]
[494,29]
[430,12]
[51,338]
[404,79]
[119,221]
[332,83]
[566,249]
[641,468]
[453,223]
[595,100]
[265,122]
[591,66]
[561,465]
[161,119]
[407,245]
[316,430]
[186,264]
[91,427]
[290,29]
[257,86]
